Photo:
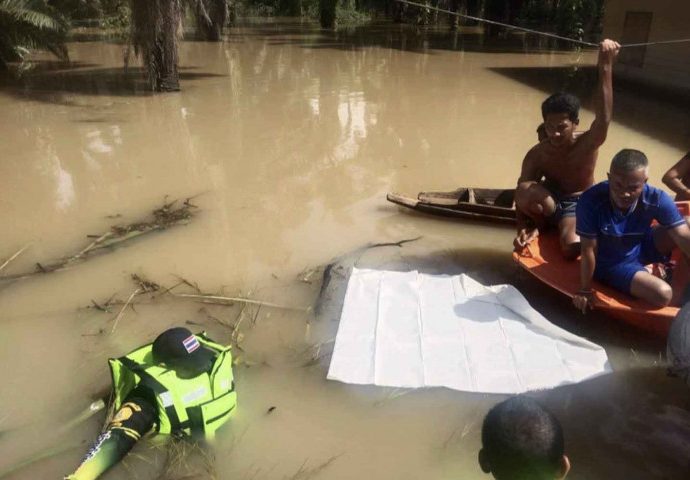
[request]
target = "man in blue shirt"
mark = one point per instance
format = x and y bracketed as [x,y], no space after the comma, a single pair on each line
[614,221]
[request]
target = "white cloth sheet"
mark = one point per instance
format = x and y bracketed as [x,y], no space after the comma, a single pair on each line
[406,329]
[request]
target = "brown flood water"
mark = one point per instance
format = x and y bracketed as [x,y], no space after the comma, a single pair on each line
[291,137]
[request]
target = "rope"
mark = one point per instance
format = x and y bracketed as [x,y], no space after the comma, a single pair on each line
[661,42]
[529,30]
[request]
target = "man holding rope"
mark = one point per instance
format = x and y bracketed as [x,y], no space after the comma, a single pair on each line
[557,170]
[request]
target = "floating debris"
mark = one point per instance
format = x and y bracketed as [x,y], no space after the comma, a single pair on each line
[336,266]
[163,218]
[305,473]
[219,300]
[187,460]
[16,254]
[124,307]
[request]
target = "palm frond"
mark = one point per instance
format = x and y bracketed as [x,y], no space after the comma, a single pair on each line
[28,24]
[32,13]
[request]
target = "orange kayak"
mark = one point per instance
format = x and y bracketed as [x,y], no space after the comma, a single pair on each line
[542,258]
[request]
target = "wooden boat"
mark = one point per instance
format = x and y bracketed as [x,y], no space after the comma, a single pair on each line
[542,258]
[469,203]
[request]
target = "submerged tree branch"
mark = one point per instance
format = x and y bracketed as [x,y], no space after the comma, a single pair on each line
[161,218]
[9,260]
[227,300]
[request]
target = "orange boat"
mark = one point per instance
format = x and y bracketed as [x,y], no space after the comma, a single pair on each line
[542,258]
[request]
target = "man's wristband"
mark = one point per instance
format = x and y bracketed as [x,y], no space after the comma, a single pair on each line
[585,291]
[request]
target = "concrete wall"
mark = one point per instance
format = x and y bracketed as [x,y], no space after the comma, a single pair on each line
[666,66]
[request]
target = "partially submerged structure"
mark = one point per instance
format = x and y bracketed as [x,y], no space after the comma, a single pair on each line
[641,21]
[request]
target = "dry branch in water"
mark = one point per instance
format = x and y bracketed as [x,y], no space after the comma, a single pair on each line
[127,304]
[392,395]
[162,218]
[315,352]
[9,260]
[306,473]
[205,298]
[334,265]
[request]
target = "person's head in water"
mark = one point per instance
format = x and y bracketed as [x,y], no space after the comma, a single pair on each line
[178,349]
[522,441]
[627,177]
[561,114]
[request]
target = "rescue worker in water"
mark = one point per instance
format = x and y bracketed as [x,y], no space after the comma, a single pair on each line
[181,384]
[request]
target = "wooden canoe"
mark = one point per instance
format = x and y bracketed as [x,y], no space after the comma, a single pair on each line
[542,258]
[487,204]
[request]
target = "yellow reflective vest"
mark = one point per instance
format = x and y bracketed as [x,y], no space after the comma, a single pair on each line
[193,406]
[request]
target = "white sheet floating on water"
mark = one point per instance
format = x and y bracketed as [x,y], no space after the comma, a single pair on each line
[406,329]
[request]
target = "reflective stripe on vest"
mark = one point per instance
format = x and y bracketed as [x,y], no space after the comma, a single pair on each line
[158,389]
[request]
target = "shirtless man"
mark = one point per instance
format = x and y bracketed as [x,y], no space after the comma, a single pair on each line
[565,161]
[678,178]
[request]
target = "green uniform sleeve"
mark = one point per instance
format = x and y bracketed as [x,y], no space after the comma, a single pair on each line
[109,448]
[134,419]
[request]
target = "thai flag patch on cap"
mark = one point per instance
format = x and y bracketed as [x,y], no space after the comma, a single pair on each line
[190,343]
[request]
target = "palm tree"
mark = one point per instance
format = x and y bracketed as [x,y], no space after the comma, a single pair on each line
[29,24]
[153,34]
[327,13]
[211,17]
[154,37]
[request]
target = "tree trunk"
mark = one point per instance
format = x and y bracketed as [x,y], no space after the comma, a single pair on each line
[164,52]
[154,36]
[454,20]
[211,29]
[327,13]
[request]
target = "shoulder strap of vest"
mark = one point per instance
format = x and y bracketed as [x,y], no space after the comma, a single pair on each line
[149,381]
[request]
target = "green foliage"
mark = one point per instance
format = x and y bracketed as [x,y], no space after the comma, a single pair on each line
[116,15]
[290,8]
[343,12]
[30,24]
[571,18]
[256,8]
[346,15]
[574,18]
[534,13]
[78,9]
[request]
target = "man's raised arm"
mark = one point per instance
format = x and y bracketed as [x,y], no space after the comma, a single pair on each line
[603,107]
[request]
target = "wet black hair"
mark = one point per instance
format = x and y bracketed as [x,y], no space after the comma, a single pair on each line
[629,160]
[522,440]
[562,103]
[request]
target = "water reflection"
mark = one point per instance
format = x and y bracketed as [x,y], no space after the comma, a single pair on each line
[65,188]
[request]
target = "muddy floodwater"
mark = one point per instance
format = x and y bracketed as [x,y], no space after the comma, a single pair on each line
[288,139]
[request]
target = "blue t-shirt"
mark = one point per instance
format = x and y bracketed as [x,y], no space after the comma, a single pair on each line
[619,235]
